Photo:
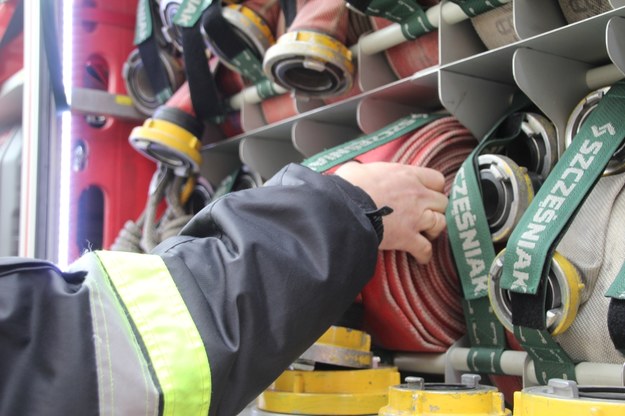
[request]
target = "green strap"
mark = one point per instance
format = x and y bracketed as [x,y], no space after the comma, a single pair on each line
[564,190]
[342,153]
[531,245]
[470,239]
[174,347]
[473,8]
[617,288]
[550,360]
[248,65]
[143,27]
[265,89]
[190,12]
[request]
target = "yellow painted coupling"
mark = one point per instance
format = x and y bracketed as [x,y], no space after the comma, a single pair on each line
[565,293]
[341,346]
[168,143]
[342,392]
[579,114]
[468,398]
[565,398]
[310,63]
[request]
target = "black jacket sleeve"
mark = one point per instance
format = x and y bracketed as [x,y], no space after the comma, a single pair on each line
[266,271]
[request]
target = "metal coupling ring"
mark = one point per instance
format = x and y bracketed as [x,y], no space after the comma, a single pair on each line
[564,397]
[579,115]
[249,26]
[506,192]
[565,292]
[169,142]
[311,64]
[343,347]
[138,85]
[537,150]
[469,397]
[340,392]
[172,33]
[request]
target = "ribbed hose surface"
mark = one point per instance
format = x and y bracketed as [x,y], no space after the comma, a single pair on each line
[407,306]
[496,27]
[412,55]
[330,17]
[594,244]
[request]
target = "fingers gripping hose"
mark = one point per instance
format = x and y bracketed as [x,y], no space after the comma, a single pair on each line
[412,307]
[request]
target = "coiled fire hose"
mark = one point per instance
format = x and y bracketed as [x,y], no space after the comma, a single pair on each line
[408,306]
[533,242]
[412,21]
[574,11]
[411,56]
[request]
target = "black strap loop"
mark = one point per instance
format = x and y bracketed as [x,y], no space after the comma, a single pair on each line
[205,96]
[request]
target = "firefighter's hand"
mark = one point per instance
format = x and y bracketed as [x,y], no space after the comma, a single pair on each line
[416,196]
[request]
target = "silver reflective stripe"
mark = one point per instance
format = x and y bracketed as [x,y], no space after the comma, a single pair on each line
[125,386]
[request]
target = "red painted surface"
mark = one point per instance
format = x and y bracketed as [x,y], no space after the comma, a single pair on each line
[103,39]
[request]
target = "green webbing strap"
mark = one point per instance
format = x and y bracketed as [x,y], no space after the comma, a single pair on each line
[334,156]
[617,288]
[562,193]
[249,66]
[474,7]
[265,89]
[473,250]
[408,13]
[190,11]
[174,348]
[531,245]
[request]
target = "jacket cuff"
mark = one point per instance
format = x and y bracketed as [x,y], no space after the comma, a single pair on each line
[364,201]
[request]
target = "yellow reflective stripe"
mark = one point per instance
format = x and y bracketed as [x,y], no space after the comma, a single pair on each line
[173,343]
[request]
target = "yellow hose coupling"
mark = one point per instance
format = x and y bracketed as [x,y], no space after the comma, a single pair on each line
[579,114]
[170,143]
[250,27]
[341,392]
[564,398]
[565,292]
[468,398]
[343,347]
[310,63]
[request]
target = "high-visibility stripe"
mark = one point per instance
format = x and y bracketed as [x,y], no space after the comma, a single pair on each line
[161,318]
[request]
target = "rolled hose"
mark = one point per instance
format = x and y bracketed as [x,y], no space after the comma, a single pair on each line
[408,306]
[496,27]
[575,11]
[412,55]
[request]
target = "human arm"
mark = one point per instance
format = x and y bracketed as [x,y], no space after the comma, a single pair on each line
[292,256]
